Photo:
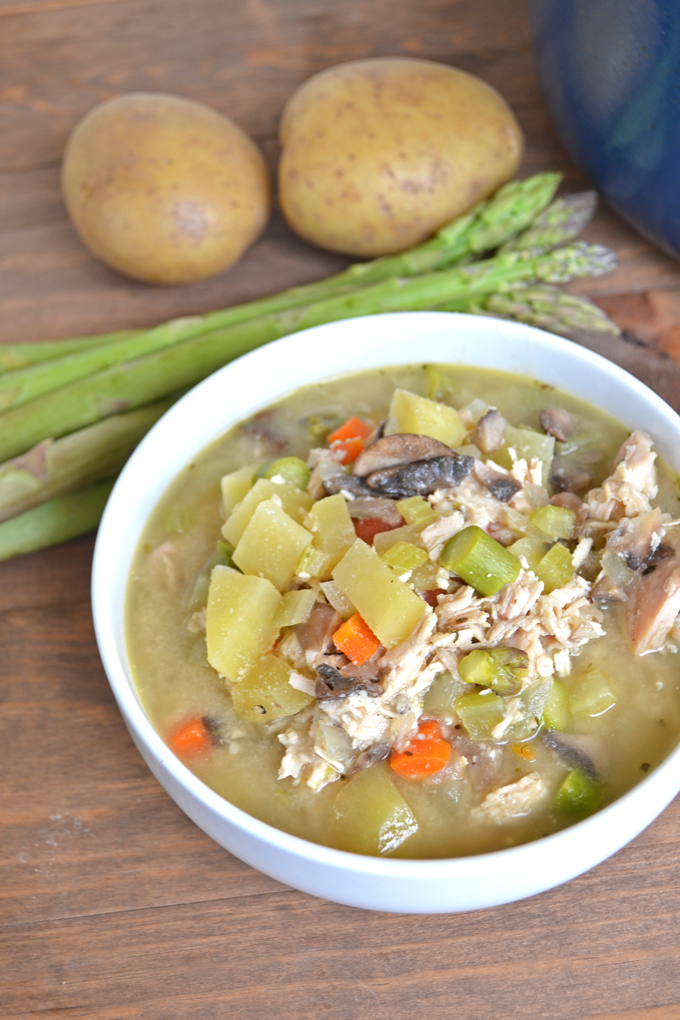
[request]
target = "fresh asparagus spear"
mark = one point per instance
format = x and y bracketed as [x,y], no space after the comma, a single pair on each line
[133,384]
[552,309]
[16,356]
[54,522]
[540,305]
[55,467]
[563,220]
[510,209]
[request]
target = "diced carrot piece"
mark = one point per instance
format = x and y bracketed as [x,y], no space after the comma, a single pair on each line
[350,448]
[356,640]
[524,751]
[190,739]
[367,529]
[354,428]
[424,755]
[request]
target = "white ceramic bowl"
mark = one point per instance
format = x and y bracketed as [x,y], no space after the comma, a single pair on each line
[239,390]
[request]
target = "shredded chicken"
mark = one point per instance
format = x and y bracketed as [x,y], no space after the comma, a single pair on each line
[512,801]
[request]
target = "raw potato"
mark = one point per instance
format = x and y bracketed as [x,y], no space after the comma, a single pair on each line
[164,189]
[378,154]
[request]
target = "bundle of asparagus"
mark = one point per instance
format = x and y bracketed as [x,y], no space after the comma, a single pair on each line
[71,411]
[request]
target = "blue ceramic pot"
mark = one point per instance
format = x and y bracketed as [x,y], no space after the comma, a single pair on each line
[610,71]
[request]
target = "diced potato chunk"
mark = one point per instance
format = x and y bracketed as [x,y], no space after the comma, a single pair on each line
[295,607]
[371,816]
[331,525]
[271,545]
[240,621]
[293,501]
[265,693]
[426,417]
[235,485]
[390,608]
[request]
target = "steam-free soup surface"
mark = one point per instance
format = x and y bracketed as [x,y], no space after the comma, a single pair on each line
[579,722]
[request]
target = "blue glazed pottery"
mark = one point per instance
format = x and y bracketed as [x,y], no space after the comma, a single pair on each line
[610,71]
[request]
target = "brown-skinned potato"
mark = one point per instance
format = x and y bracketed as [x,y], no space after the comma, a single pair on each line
[378,154]
[164,189]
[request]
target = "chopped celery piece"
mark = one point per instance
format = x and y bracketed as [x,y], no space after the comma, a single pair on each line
[442,696]
[240,620]
[526,444]
[370,814]
[271,545]
[480,713]
[554,521]
[532,549]
[295,607]
[341,604]
[556,568]
[291,470]
[384,540]
[501,669]
[332,528]
[404,556]
[439,384]
[265,693]
[294,502]
[480,560]
[313,564]
[590,693]
[528,715]
[556,713]
[198,596]
[578,796]
[389,607]
[416,510]
[235,485]
[426,417]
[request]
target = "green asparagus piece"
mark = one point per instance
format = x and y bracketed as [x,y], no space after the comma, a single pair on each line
[509,210]
[563,220]
[15,356]
[55,521]
[138,382]
[540,305]
[54,467]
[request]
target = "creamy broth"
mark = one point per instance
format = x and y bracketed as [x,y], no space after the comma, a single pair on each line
[175,681]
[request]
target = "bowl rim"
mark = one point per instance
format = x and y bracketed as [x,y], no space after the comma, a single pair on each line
[122,683]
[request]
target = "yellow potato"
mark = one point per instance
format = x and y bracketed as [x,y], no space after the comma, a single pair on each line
[164,189]
[378,154]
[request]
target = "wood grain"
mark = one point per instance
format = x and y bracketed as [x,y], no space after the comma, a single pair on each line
[112,904]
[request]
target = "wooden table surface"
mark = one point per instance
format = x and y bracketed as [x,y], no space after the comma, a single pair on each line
[112,903]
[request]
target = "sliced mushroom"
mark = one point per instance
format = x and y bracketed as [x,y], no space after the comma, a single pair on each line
[376,508]
[421,477]
[316,633]
[568,477]
[637,538]
[572,502]
[558,423]
[356,487]
[375,753]
[502,486]
[399,448]
[488,435]
[331,685]
[570,752]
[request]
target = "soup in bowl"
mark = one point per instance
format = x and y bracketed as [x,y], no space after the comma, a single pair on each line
[389,609]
